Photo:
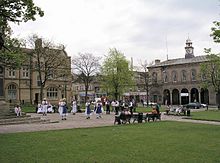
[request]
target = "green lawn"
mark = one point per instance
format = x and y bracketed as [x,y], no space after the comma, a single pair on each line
[206,115]
[147,142]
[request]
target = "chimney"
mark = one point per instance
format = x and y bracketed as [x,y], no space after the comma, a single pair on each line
[38,43]
[157,61]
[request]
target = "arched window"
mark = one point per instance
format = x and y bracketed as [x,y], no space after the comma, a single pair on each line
[174,76]
[52,93]
[193,75]
[183,76]
[12,91]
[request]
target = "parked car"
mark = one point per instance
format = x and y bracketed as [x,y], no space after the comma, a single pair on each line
[193,105]
[204,105]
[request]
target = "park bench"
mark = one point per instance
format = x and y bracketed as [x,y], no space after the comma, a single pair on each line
[153,117]
[122,118]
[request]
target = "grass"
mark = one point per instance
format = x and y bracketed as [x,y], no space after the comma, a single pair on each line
[148,142]
[29,109]
[212,115]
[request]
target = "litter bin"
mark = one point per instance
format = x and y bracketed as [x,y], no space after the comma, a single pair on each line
[140,117]
[188,112]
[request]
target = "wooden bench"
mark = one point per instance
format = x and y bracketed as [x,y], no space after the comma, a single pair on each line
[153,117]
[122,118]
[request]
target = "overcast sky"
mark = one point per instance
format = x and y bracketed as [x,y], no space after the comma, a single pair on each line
[137,28]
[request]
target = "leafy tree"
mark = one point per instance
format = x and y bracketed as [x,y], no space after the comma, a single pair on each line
[15,11]
[116,75]
[15,56]
[211,69]
[86,66]
[18,11]
[50,60]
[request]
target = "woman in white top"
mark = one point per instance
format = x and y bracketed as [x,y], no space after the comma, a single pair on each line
[74,107]
[44,106]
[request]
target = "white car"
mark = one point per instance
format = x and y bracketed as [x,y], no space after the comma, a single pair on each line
[204,105]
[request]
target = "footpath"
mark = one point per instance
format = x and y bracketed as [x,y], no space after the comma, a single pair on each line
[79,121]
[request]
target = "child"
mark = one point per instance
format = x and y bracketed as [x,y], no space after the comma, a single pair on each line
[18,110]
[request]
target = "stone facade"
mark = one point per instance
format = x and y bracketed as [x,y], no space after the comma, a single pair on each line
[179,81]
[22,85]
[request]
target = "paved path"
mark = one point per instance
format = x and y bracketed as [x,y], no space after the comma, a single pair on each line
[78,121]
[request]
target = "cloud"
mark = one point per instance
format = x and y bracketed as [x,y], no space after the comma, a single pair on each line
[138,28]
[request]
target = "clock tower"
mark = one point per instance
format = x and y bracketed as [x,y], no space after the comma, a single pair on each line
[189,49]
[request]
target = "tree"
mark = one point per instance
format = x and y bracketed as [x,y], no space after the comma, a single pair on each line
[211,69]
[50,60]
[16,12]
[146,78]
[211,73]
[86,66]
[116,75]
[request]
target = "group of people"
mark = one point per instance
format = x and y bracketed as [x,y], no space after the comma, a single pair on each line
[96,107]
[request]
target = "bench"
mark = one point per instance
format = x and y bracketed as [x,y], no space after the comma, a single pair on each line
[122,118]
[153,117]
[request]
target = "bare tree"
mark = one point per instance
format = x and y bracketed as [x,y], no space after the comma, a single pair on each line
[86,66]
[50,60]
[146,78]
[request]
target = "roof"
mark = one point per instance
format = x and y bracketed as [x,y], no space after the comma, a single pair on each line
[179,61]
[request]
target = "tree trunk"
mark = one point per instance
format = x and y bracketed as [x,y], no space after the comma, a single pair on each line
[218,99]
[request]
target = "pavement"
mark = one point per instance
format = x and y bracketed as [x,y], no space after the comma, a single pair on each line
[79,121]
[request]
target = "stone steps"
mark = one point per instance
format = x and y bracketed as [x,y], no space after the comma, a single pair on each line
[23,120]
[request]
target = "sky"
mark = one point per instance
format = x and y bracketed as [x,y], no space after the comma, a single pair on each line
[140,29]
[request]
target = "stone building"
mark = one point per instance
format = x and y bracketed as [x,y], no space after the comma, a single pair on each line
[179,80]
[22,85]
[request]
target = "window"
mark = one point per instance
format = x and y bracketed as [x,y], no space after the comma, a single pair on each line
[38,81]
[11,73]
[183,76]
[154,77]
[50,74]
[193,75]
[52,93]
[174,76]
[12,91]
[25,72]
[165,77]
[203,77]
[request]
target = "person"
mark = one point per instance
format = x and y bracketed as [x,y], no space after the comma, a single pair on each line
[142,101]
[131,107]
[113,105]
[65,109]
[158,108]
[74,107]
[154,110]
[107,107]
[99,110]
[60,108]
[88,110]
[116,107]
[18,110]
[50,108]
[44,106]
[167,109]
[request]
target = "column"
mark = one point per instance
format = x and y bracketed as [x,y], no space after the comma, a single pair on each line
[171,98]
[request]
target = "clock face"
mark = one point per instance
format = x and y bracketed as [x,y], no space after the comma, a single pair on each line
[188,51]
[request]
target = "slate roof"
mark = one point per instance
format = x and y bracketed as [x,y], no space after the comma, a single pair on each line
[179,61]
